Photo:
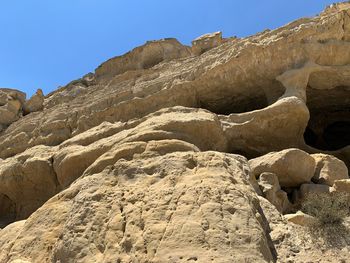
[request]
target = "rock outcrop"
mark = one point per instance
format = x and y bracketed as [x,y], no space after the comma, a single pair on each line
[13,105]
[292,167]
[206,42]
[177,154]
[11,102]
[35,103]
[329,169]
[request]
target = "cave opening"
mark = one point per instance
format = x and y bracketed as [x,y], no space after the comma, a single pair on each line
[7,210]
[226,100]
[236,104]
[329,125]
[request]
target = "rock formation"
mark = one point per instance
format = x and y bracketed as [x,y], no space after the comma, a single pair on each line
[177,154]
[13,105]
[35,103]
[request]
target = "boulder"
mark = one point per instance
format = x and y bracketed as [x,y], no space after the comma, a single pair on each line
[341,186]
[300,218]
[293,167]
[152,206]
[271,190]
[306,189]
[206,42]
[11,102]
[35,103]
[329,169]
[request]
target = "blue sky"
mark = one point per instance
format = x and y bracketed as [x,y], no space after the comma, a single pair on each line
[45,44]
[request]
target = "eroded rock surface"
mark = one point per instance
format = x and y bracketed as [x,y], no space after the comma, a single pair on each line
[158,207]
[145,160]
[293,167]
[35,103]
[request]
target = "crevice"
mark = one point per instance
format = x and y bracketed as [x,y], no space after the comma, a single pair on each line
[8,213]
[267,230]
[55,177]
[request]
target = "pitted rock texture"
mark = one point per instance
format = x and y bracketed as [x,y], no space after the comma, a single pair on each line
[168,154]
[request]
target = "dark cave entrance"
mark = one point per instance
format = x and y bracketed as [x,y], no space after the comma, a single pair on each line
[228,105]
[337,135]
[226,99]
[329,125]
[7,210]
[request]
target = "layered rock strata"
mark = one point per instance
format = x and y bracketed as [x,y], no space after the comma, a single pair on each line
[167,154]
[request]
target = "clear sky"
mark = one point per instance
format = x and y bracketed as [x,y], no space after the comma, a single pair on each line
[47,43]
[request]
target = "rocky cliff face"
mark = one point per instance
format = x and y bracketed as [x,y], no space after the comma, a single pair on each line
[177,154]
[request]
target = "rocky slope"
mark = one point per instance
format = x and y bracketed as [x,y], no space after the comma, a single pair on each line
[178,154]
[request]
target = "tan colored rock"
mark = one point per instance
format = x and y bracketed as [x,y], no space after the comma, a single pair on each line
[306,189]
[128,163]
[293,167]
[35,103]
[10,106]
[144,57]
[341,185]
[183,205]
[329,169]
[301,219]
[9,113]
[279,126]
[271,190]
[206,42]
[8,237]
[26,182]
[124,92]
[7,94]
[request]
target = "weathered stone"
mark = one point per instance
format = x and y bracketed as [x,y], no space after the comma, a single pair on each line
[35,103]
[8,237]
[329,169]
[144,57]
[306,189]
[271,190]
[293,167]
[206,42]
[128,163]
[26,182]
[342,186]
[156,205]
[10,106]
[301,219]
[244,64]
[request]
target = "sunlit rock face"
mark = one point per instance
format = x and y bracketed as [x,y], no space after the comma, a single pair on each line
[172,153]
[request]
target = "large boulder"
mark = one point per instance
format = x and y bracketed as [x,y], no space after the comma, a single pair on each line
[329,169]
[293,167]
[154,206]
[306,189]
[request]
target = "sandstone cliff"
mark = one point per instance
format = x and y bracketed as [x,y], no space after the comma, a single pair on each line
[178,154]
